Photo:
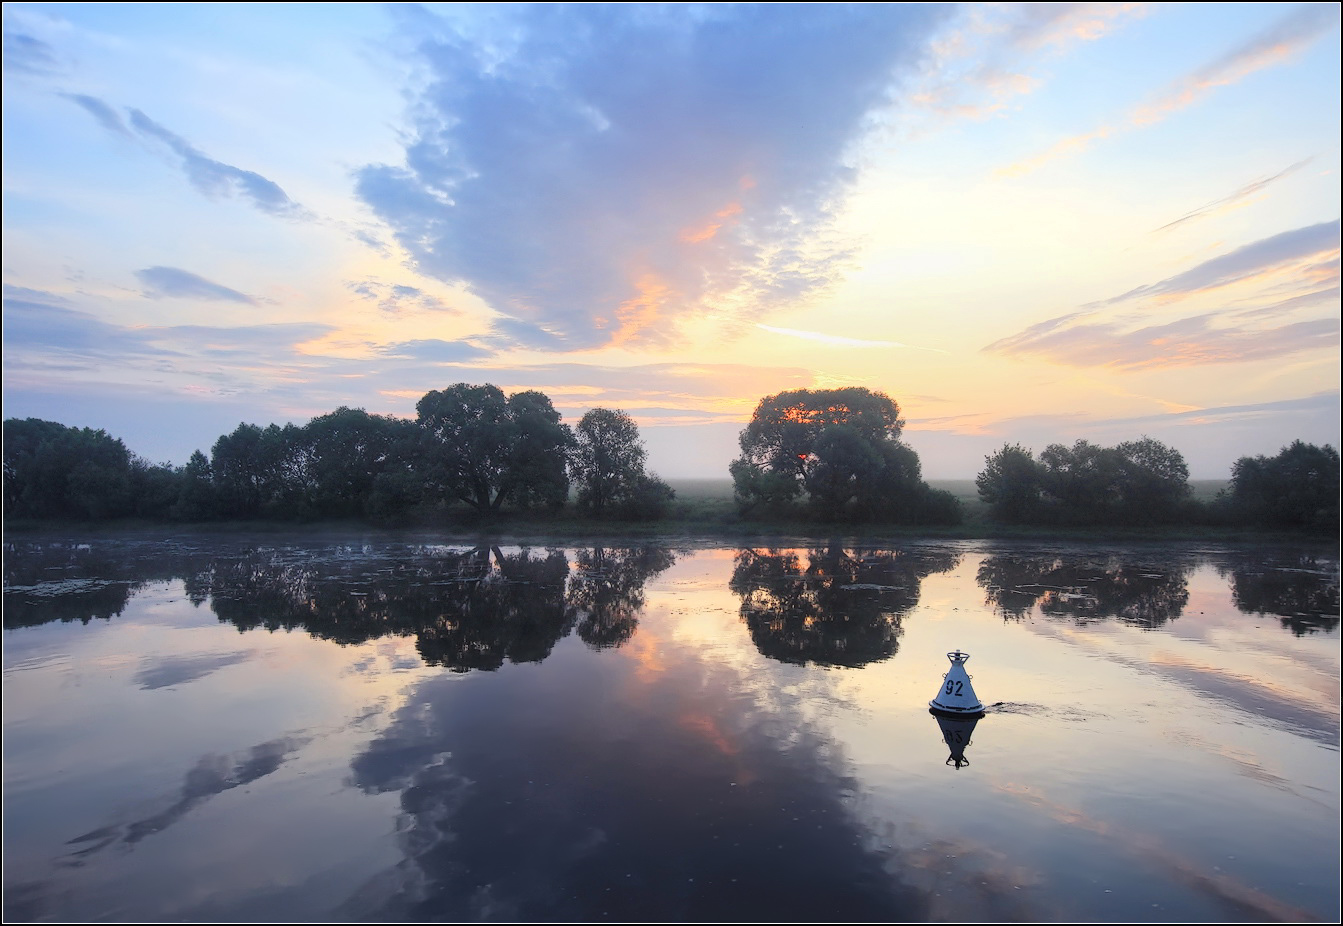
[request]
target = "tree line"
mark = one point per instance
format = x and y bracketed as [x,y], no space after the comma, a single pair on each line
[1145,482]
[469,446]
[825,455]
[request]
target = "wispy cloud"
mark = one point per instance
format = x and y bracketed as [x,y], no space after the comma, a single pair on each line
[27,56]
[596,173]
[435,351]
[215,179]
[1268,48]
[1286,268]
[398,298]
[1290,248]
[834,340]
[1273,46]
[1234,199]
[175,283]
[1186,342]
[988,56]
[107,117]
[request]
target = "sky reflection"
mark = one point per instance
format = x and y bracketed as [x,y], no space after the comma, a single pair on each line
[419,731]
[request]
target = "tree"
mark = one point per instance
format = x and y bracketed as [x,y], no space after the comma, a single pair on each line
[347,451]
[55,471]
[839,447]
[195,498]
[1141,481]
[1011,483]
[488,449]
[1298,488]
[608,467]
[1156,483]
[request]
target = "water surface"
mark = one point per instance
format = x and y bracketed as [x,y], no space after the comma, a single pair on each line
[290,729]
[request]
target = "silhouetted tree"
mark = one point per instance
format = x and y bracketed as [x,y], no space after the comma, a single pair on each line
[490,449]
[841,447]
[608,468]
[54,471]
[1137,482]
[1011,484]
[1298,488]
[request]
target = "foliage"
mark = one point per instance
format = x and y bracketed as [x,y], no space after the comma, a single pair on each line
[54,471]
[1136,482]
[1011,484]
[842,449]
[1298,488]
[608,467]
[489,449]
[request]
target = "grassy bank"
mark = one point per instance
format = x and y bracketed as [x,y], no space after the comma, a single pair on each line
[702,511]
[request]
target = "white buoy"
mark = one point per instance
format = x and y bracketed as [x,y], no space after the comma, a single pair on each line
[956,696]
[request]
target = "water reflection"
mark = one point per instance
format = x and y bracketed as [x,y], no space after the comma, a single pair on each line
[606,592]
[1301,590]
[843,608]
[211,775]
[956,733]
[1142,594]
[467,608]
[673,802]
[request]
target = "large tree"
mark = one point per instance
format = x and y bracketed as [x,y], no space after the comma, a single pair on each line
[608,467]
[839,447]
[488,449]
[1298,488]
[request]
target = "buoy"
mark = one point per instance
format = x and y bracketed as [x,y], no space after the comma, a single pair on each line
[956,696]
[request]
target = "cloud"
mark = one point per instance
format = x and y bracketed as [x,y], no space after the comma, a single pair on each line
[436,351]
[28,56]
[35,320]
[211,178]
[107,116]
[595,173]
[172,282]
[1288,264]
[397,298]
[1271,47]
[983,62]
[1259,257]
[1185,342]
[1226,202]
[1267,48]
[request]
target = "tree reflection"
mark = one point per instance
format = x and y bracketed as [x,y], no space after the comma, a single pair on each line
[1301,590]
[843,608]
[1140,594]
[606,593]
[65,582]
[468,609]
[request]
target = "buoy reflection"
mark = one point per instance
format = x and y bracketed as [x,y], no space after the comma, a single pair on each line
[956,732]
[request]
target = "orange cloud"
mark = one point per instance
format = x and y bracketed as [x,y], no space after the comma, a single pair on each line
[641,313]
[695,236]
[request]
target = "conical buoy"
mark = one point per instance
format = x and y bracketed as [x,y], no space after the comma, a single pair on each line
[956,696]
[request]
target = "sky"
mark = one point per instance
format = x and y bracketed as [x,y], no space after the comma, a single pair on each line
[1025,223]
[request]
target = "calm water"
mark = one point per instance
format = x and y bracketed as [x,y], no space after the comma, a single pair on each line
[272,730]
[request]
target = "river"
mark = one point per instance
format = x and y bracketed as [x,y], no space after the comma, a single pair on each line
[287,728]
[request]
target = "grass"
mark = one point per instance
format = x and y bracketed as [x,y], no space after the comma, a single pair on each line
[704,510]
